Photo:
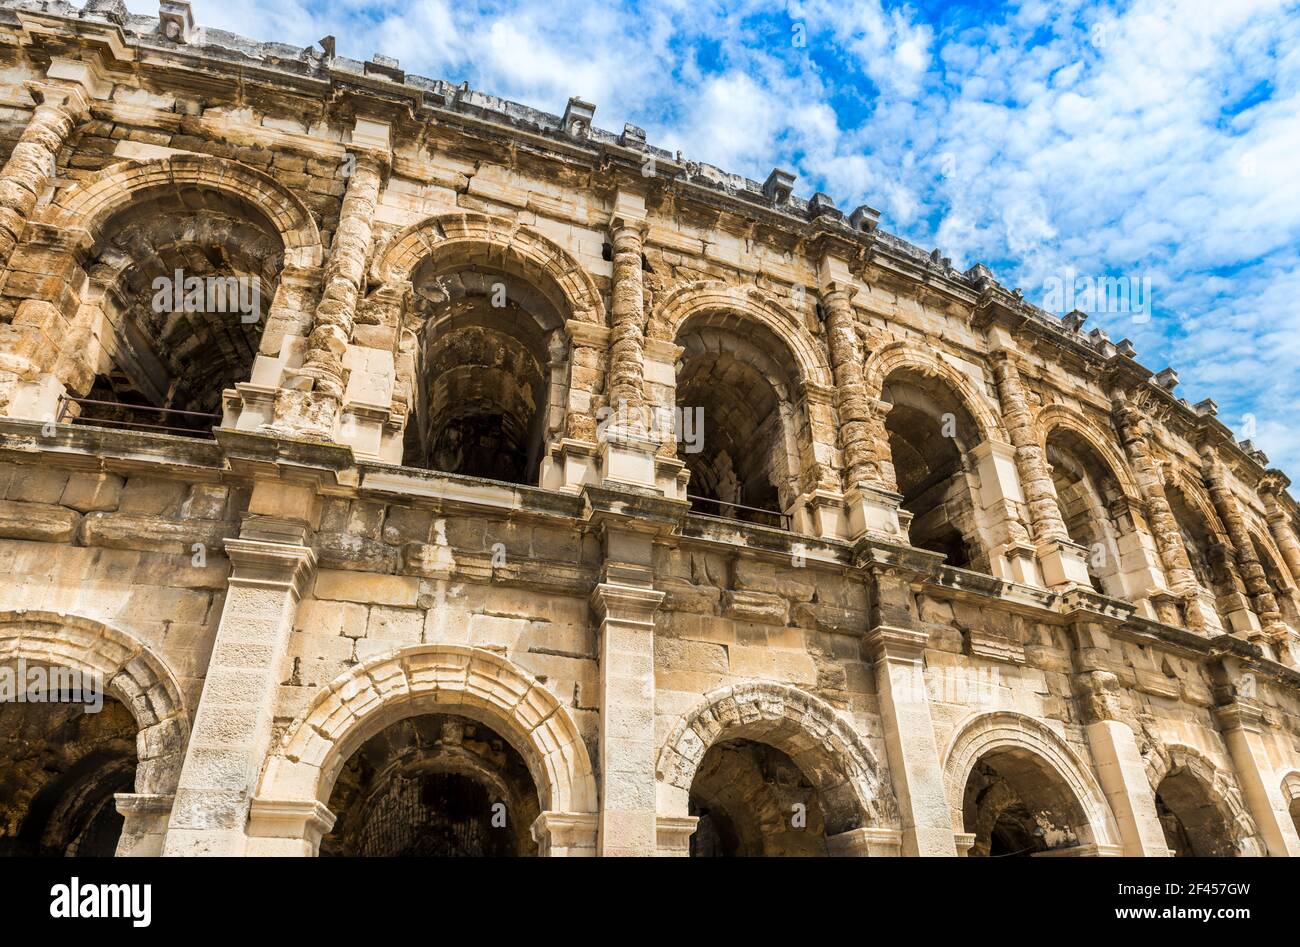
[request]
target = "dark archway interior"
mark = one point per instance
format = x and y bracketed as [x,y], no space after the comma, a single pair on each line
[1017,805]
[1295,813]
[1090,500]
[930,433]
[739,380]
[188,278]
[754,800]
[483,391]
[1193,822]
[434,785]
[59,770]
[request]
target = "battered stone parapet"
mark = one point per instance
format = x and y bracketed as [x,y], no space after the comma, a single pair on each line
[425,473]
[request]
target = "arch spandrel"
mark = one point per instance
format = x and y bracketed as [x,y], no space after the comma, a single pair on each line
[90,205]
[900,356]
[984,733]
[130,671]
[434,678]
[704,298]
[828,751]
[1219,785]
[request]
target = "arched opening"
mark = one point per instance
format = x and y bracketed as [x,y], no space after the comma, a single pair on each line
[1193,823]
[1208,555]
[441,785]
[754,800]
[485,337]
[930,435]
[1091,502]
[1016,804]
[184,278]
[738,379]
[60,766]
[1278,583]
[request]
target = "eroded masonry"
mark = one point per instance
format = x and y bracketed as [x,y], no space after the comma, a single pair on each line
[419,473]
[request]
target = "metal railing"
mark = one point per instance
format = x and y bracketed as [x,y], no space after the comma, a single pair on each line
[67,401]
[771,518]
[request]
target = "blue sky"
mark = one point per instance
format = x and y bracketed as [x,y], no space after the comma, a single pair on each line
[1147,140]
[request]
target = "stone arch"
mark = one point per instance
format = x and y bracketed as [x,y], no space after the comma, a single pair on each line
[433,678]
[479,238]
[827,750]
[890,358]
[764,382]
[1276,573]
[746,303]
[1008,732]
[87,207]
[131,673]
[1218,783]
[472,369]
[249,246]
[1058,416]
[1095,495]
[1209,549]
[1199,500]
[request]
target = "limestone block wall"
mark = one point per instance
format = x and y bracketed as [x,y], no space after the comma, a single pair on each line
[942,574]
[138,552]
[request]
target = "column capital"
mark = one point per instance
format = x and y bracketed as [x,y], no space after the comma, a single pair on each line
[835,275]
[307,819]
[673,834]
[629,212]
[270,565]
[890,642]
[866,843]
[565,833]
[1242,714]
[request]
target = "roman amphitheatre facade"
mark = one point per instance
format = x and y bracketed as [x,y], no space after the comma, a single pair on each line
[529,489]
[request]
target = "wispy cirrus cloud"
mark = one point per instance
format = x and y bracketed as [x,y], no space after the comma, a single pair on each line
[1148,138]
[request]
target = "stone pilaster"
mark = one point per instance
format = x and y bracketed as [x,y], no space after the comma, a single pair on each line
[1279,524]
[896,644]
[627,443]
[1120,768]
[315,412]
[1062,561]
[271,565]
[624,604]
[870,486]
[1243,723]
[1130,424]
[32,164]
[37,351]
[856,414]
[1252,571]
[627,307]
[1013,555]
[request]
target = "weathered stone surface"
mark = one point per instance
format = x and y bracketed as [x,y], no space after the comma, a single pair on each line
[820,563]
